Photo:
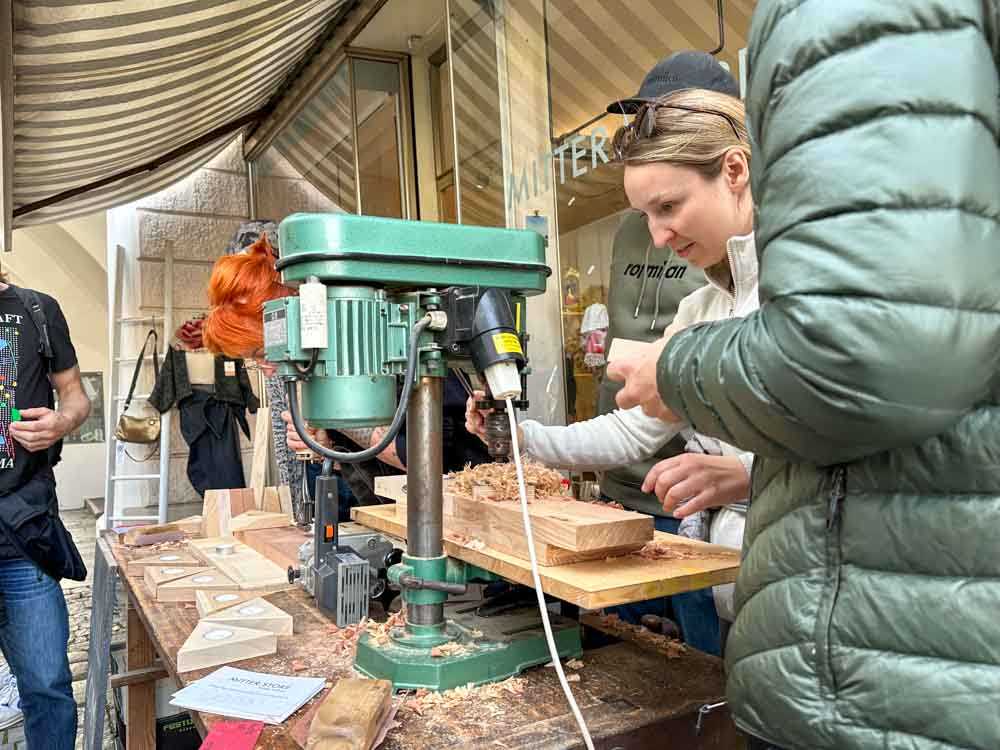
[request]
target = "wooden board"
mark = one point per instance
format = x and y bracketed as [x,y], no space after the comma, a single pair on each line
[258,519]
[257,614]
[351,715]
[280,546]
[285,499]
[247,568]
[208,602]
[183,589]
[210,645]
[155,576]
[565,531]
[569,524]
[594,584]
[258,465]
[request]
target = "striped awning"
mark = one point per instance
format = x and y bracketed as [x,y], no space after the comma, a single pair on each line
[103,88]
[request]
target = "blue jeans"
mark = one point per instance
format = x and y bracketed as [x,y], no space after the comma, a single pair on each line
[34,633]
[693,611]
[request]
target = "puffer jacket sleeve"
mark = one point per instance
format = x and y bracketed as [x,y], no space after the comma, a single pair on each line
[877,180]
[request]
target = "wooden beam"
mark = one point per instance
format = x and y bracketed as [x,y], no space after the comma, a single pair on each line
[303,83]
[6,123]
[138,676]
[140,728]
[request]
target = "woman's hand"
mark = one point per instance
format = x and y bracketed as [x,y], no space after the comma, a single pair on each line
[703,481]
[295,443]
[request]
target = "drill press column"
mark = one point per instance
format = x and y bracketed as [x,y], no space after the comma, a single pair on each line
[424,470]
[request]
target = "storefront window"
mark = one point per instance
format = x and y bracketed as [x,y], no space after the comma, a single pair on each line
[310,165]
[597,53]
[472,25]
[346,150]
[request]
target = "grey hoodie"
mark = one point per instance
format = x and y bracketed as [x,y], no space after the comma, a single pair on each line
[646,286]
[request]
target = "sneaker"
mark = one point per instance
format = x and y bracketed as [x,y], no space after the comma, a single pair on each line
[10,699]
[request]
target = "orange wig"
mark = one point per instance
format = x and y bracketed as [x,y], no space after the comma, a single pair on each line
[237,291]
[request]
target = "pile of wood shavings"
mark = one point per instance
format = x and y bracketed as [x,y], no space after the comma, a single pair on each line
[424,701]
[379,631]
[452,649]
[661,550]
[345,640]
[502,479]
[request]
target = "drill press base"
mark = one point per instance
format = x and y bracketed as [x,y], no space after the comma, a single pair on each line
[493,649]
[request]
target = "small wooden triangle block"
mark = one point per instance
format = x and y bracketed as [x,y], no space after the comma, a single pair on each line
[156,575]
[167,559]
[211,644]
[183,589]
[258,614]
[209,601]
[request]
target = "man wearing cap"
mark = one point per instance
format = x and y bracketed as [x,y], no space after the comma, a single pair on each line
[646,286]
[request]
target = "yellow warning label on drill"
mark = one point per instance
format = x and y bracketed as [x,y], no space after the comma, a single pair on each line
[507,343]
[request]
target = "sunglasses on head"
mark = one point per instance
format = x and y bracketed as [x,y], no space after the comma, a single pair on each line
[644,124]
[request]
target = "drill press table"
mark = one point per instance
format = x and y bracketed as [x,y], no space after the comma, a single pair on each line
[631,697]
[590,585]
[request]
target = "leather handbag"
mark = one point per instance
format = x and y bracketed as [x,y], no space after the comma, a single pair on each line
[145,428]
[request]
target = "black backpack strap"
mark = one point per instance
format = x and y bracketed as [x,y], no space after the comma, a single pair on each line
[33,304]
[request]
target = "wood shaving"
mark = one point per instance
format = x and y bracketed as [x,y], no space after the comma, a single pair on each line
[502,479]
[298,666]
[574,664]
[669,647]
[608,504]
[663,550]
[451,649]
[572,677]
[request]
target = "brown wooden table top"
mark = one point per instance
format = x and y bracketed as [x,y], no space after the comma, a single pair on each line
[624,690]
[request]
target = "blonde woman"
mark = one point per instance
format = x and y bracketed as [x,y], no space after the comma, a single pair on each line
[687,172]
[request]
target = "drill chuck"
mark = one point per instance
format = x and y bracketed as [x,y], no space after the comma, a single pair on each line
[498,441]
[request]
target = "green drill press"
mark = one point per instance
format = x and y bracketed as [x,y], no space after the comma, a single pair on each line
[382,300]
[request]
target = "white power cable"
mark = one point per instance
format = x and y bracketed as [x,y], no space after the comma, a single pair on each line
[553,651]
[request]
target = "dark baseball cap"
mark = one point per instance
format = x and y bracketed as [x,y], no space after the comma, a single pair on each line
[682,70]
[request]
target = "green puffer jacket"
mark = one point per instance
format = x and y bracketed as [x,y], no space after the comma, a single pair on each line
[868,383]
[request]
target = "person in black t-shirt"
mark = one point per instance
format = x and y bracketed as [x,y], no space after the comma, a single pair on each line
[34,625]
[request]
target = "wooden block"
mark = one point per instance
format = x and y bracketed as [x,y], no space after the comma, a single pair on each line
[242,500]
[258,465]
[280,546]
[210,645]
[154,576]
[216,513]
[165,560]
[351,715]
[141,535]
[191,525]
[246,567]
[571,524]
[258,519]
[209,601]
[183,589]
[258,614]
[269,500]
[285,500]
[391,488]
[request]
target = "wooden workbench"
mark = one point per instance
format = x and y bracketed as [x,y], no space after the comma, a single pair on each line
[630,696]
